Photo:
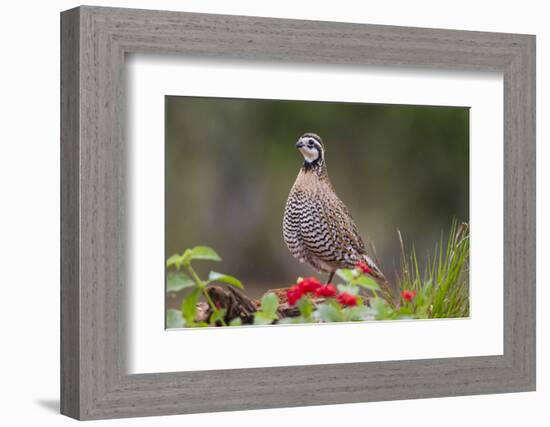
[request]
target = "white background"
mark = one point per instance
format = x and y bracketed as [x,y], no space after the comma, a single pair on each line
[29,215]
[152,349]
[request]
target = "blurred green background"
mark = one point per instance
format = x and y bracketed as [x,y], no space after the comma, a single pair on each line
[230,164]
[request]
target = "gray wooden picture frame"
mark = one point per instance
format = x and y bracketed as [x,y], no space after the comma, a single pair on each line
[94,42]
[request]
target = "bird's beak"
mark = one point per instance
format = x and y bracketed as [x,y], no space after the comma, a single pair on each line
[299,144]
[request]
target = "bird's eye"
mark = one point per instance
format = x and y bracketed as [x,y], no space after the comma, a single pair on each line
[310,143]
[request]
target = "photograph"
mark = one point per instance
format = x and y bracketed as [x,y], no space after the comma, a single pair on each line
[305,212]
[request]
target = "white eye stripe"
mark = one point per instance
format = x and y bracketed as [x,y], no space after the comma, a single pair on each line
[311,141]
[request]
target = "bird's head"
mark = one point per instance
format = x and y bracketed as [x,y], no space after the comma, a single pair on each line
[311,147]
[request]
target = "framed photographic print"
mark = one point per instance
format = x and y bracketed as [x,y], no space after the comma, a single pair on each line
[315,212]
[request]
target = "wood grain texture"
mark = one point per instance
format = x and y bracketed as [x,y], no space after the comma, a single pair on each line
[94,382]
[70,292]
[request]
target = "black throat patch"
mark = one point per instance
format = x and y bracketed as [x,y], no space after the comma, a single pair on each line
[317,166]
[308,166]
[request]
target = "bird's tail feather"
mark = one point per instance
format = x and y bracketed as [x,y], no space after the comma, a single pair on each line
[379,278]
[375,272]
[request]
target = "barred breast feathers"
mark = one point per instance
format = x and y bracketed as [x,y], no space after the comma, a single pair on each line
[318,228]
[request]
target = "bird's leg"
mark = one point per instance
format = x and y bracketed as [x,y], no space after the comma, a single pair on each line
[330,276]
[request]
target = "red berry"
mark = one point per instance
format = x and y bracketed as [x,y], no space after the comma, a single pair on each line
[408,295]
[326,291]
[309,285]
[293,294]
[347,299]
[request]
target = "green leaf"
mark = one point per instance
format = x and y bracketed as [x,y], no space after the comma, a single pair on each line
[200,252]
[268,312]
[174,261]
[405,310]
[346,274]
[367,283]
[350,289]
[189,306]
[186,257]
[377,303]
[225,278]
[236,322]
[218,315]
[270,302]
[178,281]
[174,319]
[329,313]
[358,313]
[306,307]
[202,324]
[381,310]
[296,320]
[405,317]
[260,318]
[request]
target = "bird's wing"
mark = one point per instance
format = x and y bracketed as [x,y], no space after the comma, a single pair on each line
[358,245]
[348,228]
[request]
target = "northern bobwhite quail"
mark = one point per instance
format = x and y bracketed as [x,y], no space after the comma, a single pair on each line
[317,226]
